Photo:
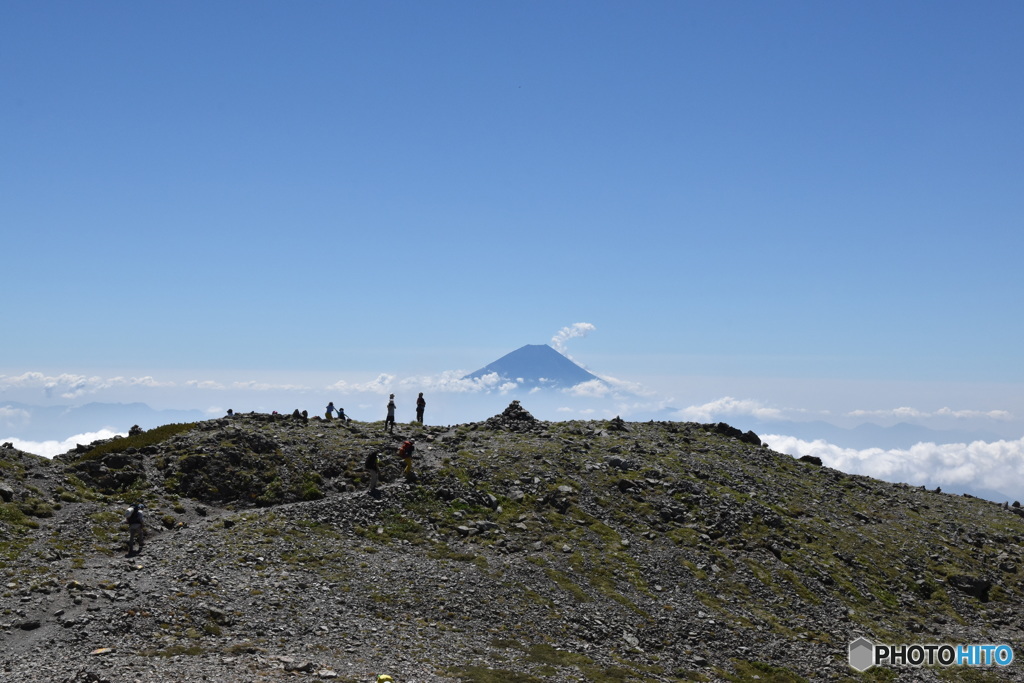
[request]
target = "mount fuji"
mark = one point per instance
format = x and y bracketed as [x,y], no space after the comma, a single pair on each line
[536,365]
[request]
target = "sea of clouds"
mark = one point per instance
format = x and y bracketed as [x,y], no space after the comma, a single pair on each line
[981,468]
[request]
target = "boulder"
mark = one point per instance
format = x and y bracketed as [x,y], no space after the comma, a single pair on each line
[971,585]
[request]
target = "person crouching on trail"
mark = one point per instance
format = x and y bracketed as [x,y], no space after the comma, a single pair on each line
[373,467]
[405,453]
[136,529]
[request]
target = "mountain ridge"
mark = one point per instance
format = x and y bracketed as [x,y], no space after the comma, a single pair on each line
[522,550]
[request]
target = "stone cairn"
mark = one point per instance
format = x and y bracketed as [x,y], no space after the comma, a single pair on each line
[515,418]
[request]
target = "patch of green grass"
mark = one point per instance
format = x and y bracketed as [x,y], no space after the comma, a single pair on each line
[148,438]
[550,657]
[12,467]
[507,643]
[542,653]
[800,588]
[106,526]
[84,492]
[399,527]
[482,674]
[565,583]
[309,487]
[441,551]
[759,671]
[684,536]
[12,514]
[36,507]
[272,493]
[963,674]
[11,548]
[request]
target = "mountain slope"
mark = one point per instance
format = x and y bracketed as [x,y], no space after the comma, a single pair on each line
[536,365]
[524,551]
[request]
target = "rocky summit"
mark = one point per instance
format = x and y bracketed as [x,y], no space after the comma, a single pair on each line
[516,551]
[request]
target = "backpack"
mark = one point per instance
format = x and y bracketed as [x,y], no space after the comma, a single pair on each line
[406,450]
[135,516]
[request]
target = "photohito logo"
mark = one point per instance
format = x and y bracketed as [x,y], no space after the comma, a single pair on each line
[864,654]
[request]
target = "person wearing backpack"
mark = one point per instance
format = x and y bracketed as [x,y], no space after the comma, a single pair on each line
[136,531]
[405,453]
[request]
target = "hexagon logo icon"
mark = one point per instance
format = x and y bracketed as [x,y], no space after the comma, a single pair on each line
[862,654]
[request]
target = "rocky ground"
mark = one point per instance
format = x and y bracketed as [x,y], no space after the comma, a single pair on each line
[521,551]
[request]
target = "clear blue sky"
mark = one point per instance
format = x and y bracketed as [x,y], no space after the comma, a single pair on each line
[793,196]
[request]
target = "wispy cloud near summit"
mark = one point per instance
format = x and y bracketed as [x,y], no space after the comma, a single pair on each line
[570,332]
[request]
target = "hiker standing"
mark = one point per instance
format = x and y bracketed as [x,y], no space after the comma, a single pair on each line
[136,531]
[420,405]
[390,419]
[373,467]
[330,409]
[405,453]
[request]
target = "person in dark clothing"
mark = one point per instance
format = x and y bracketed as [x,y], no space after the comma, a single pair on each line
[136,530]
[389,421]
[420,405]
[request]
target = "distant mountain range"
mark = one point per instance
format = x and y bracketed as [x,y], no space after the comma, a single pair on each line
[536,365]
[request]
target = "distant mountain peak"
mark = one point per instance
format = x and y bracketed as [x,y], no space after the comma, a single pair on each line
[536,365]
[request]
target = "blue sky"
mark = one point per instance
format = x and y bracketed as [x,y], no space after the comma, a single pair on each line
[810,209]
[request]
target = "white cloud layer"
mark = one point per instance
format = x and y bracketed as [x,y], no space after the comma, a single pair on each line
[981,467]
[595,388]
[728,407]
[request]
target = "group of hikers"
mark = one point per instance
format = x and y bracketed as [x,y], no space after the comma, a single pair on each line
[134,516]
[389,419]
[372,464]
[405,451]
